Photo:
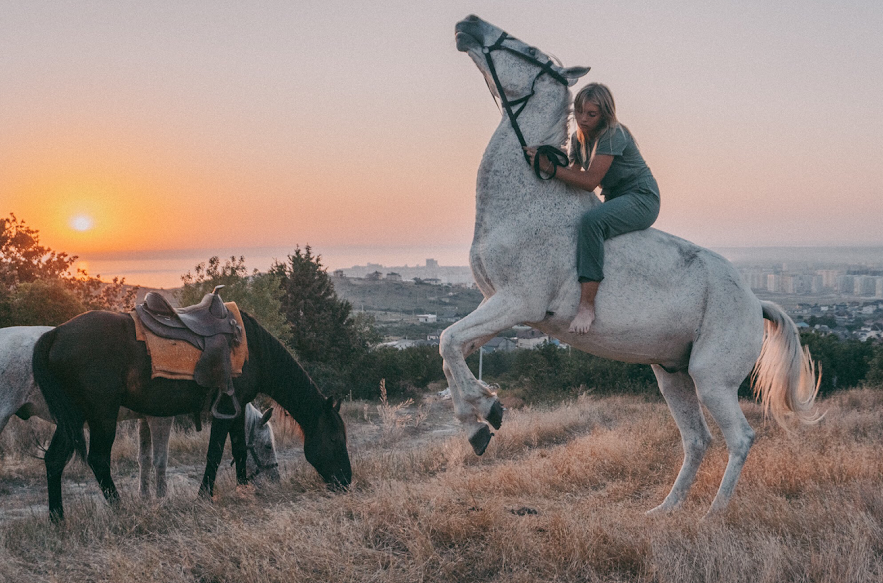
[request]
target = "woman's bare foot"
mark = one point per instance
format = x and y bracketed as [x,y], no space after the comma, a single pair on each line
[583,320]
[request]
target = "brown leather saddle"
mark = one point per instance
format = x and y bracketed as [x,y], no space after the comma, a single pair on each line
[208,326]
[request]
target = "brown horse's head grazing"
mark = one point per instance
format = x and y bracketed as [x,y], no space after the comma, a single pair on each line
[325,447]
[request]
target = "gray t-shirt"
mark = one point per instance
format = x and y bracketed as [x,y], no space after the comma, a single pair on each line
[628,166]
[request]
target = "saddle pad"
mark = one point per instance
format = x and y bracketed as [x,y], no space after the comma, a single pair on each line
[176,359]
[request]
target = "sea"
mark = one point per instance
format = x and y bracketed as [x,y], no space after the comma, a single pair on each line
[164,269]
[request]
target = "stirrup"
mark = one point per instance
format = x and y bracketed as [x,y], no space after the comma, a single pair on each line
[225,416]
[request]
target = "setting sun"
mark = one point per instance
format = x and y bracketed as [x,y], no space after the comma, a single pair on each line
[81,223]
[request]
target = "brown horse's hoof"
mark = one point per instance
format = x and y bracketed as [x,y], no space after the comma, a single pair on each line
[480,440]
[495,416]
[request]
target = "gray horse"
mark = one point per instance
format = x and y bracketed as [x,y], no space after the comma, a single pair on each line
[19,395]
[665,302]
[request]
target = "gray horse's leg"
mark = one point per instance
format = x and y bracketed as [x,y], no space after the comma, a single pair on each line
[145,460]
[683,402]
[161,429]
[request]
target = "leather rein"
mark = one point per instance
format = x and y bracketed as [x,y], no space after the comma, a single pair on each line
[555,156]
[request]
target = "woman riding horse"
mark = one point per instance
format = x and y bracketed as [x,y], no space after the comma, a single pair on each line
[603,152]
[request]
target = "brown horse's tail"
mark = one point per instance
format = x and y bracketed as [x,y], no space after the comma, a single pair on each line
[784,377]
[67,415]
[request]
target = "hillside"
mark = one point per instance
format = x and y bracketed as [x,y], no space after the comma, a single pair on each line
[559,495]
[405,298]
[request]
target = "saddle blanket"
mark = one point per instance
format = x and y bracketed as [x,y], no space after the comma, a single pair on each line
[176,359]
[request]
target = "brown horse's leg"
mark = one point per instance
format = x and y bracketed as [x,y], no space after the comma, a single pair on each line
[239,448]
[217,439]
[59,453]
[101,438]
[145,456]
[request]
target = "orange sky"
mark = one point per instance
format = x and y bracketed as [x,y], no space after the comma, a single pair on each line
[339,125]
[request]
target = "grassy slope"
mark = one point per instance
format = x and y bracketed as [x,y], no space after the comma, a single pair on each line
[559,496]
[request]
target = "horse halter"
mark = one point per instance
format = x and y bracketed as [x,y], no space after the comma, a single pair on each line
[251,450]
[545,68]
[257,462]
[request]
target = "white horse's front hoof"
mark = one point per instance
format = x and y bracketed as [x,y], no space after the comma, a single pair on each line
[495,415]
[480,439]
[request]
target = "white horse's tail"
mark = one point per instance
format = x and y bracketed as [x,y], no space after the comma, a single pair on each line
[784,377]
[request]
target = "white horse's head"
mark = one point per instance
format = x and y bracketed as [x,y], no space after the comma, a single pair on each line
[260,444]
[520,68]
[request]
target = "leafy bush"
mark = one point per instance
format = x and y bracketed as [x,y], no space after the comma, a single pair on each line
[844,363]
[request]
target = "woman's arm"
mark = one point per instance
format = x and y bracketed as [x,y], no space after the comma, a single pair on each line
[588,179]
[573,175]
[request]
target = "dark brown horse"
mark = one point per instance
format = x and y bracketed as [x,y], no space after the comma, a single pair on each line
[92,365]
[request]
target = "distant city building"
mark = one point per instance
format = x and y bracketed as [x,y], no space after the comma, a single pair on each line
[845,284]
[879,288]
[829,277]
[500,344]
[427,318]
[530,338]
[755,278]
[431,264]
[865,285]
[338,273]
[450,275]
[393,276]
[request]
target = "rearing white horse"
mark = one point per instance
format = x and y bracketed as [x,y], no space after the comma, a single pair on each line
[664,301]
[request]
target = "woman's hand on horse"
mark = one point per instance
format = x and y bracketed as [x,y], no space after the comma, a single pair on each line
[545,165]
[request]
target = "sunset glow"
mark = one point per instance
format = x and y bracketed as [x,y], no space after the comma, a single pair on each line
[81,223]
[196,133]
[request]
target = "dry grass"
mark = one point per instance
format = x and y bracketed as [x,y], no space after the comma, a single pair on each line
[560,495]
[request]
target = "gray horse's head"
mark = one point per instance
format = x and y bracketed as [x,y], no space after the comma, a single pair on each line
[261,462]
[517,63]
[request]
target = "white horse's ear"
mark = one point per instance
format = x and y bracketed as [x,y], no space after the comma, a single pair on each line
[574,73]
[266,416]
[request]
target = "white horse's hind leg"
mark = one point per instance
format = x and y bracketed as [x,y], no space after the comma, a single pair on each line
[680,394]
[473,401]
[721,399]
[728,347]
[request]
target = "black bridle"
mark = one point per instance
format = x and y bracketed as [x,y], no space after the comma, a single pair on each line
[250,448]
[261,466]
[555,156]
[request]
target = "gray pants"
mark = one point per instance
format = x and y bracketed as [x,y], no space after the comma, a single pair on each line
[630,211]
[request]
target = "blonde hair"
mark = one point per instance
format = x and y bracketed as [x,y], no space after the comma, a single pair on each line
[599,95]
